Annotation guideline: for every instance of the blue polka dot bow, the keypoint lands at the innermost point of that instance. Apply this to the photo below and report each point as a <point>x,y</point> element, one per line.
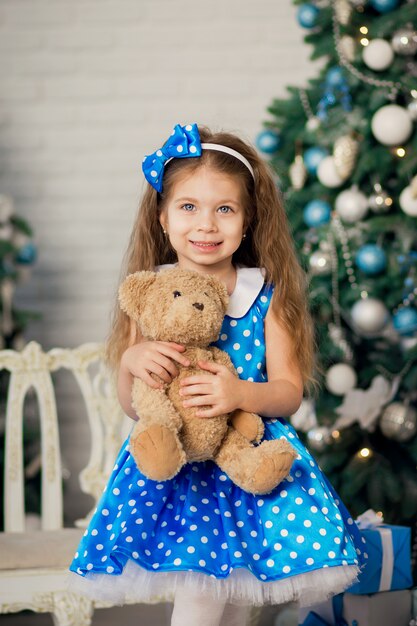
<point>183,142</point>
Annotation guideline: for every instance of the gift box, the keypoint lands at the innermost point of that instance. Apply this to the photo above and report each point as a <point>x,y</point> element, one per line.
<point>414,603</point>
<point>388,566</point>
<point>391,608</point>
<point>329,613</point>
<point>387,608</point>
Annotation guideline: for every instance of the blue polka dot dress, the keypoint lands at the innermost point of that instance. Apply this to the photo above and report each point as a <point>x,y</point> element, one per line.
<point>200,531</point>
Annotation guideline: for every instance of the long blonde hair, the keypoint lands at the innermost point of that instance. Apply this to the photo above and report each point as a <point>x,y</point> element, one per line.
<point>268,244</point>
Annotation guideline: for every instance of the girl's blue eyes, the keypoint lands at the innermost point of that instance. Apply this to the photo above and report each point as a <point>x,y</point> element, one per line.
<point>222,209</point>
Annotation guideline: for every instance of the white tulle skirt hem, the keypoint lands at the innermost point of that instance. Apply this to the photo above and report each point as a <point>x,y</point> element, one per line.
<point>136,584</point>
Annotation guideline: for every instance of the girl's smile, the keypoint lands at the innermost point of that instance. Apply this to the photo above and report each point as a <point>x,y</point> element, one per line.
<point>204,219</point>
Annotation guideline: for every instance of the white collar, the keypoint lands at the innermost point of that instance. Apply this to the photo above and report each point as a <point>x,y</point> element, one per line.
<point>249,282</point>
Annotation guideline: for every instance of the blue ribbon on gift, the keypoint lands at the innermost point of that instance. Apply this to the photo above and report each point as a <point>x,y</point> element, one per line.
<point>313,619</point>
<point>183,142</point>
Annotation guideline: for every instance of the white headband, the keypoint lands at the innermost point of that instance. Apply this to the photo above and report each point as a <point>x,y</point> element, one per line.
<point>227,150</point>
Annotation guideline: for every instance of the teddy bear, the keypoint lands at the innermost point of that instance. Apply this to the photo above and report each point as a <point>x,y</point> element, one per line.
<point>188,307</point>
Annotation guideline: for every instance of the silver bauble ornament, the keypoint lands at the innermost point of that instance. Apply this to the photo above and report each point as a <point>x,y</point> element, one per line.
<point>345,151</point>
<point>298,172</point>
<point>370,315</point>
<point>379,201</point>
<point>351,205</point>
<point>398,422</point>
<point>320,263</point>
<point>391,125</point>
<point>340,378</point>
<point>318,438</point>
<point>404,41</point>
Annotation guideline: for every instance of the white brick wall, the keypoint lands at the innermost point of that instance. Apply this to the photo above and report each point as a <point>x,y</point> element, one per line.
<point>87,87</point>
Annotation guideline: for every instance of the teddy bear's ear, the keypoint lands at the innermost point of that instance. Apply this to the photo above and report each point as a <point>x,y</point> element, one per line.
<point>132,292</point>
<point>220,289</point>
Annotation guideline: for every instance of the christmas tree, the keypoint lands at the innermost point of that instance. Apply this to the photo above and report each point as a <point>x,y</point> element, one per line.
<point>344,149</point>
<point>17,255</point>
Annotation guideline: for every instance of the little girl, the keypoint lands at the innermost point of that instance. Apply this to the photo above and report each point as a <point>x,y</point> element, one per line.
<point>212,206</point>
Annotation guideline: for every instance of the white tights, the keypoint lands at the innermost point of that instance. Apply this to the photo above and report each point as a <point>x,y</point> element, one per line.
<point>192,610</point>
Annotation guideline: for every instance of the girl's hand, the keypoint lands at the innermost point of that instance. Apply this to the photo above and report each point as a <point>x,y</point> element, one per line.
<point>154,357</point>
<point>219,389</point>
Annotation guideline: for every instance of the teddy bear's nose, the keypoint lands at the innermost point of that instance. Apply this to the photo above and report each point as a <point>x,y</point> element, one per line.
<point>198,305</point>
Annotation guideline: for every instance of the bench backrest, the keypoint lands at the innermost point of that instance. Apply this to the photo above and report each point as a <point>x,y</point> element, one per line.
<point>32,368</point>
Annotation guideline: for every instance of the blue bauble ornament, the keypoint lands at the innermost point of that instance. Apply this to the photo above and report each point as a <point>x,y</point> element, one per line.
<point>405,320</point>
<point>371,259</point>
<point>26,255</point>
<point>307,15</point>
<point>312,158</point>
<point>268,141</point>
<point>335,77</point>
<point>316,213</point>
<point>384,6</point>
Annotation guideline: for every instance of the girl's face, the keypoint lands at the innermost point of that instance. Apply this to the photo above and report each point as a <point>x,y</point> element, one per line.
<point>204,219</point>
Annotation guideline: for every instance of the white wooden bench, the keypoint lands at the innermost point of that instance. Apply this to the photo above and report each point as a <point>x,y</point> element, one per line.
<point>34,564</point>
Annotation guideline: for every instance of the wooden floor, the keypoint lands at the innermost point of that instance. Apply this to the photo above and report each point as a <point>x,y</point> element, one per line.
<point>137,615</point>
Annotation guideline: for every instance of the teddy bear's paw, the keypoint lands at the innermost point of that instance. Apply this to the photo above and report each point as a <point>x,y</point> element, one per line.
<point>158,452</point>
<point>247,424</point>
<point>276,459</point>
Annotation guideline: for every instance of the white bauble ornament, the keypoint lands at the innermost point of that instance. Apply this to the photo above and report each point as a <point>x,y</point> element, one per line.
<point>351,204</point>
<point>408,198</point>
<point>340,378</point>
<point>391,125</point>
<point>412,109</point>
<point>398,422</point>
<point>328,174</point>
<point>369,315</point>
<point>378,55</point>
<point>305,416</point>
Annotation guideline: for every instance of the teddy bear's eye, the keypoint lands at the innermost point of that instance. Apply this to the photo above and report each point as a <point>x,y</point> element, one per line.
<point>177,294</point>
<point>206,294</point>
